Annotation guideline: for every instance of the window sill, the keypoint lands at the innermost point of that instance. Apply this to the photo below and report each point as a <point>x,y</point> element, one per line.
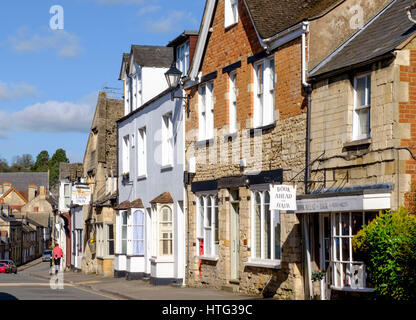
<point>168,167</point>
<point>203,143</point>
<point>135,255</point>
<point>230,26</point>
<point>167,259</point>
<point>263,128</point>
<point>208,258</point>
<point>357,143</point>
<point>352,290</point>
<point>270,264</point>
<point>106,258</point>
<point>142,177</point>
<point>230,136</point>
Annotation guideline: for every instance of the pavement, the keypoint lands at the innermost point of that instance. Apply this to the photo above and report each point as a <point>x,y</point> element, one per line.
<point>120,288</point>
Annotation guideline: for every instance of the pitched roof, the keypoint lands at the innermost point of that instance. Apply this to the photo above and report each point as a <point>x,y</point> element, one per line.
<point>152,56</point>
<point>20,180</point>
<point>72,171</point>
<point>4,195</point>
<point>380,36</point>
<point>124,61</point>
<point>128,205</point>
<point>165,197</point>
<point>182,37</point>
<point>271,16</point>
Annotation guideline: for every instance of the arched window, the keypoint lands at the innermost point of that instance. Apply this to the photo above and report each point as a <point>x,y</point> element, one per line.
<point>165,231</point>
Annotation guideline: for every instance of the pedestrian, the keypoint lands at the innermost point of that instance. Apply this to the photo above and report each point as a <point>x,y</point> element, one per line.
<point>57,255</point>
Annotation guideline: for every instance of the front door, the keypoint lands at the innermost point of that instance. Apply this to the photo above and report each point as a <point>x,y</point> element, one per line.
<point>234,235</point>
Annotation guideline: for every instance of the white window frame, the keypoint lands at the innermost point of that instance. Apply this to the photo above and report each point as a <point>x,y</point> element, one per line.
<point>134,226</point>
<point>336,257</point>
<point>274,221</point>
<point>232,105</point>
<point>182,58</point>
<point>67,195</point>
<point>206,111</point>
<point>122,225</point>
<point>141,152</point>
<point>127,96</point>
<point>359,108</point>
<point>230,13</point>
<point>161,230</point>
<point>264,92</point>
<point>206,231</point>
<point>167,140</point>
<point>126,154</point>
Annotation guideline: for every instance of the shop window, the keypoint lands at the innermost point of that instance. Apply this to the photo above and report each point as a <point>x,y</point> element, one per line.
<point>207,224</point>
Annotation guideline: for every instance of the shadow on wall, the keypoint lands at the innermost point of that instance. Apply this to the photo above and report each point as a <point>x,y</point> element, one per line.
<point>280,282</point>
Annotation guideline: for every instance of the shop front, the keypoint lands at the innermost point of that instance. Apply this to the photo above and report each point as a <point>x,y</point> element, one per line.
<point>330,220</point>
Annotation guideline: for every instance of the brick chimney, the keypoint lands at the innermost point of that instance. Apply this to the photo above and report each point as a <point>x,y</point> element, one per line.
<point>31,191</point>
<point>6,186</point>
<point>42,192</point>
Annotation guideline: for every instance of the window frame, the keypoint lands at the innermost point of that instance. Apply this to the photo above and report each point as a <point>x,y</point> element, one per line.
<point>232,103</point>
<point>182,61</point>
<point>142,152</point>
<point>206,111</point>
<point>125,154</point>
<point>264,91</point>
<point>167,139</point>
<point>358,109</point>
<point>208,232</point>
<point>275,222</point>
<point>135,225</point>
<point>162,231</point>
<point>230,13</point>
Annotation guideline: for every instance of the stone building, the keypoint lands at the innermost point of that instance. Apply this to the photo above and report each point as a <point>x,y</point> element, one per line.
<point>99,172</point>
<point>245,129</point>
<point>362,144</point>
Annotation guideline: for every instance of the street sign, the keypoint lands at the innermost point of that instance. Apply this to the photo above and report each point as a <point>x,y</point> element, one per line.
<point>283,197</point>
<point>81,194</point>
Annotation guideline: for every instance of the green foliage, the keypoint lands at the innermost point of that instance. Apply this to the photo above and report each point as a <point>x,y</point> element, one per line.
<point>42,162</point>
<point>58,157</point>
<point>388,247</point>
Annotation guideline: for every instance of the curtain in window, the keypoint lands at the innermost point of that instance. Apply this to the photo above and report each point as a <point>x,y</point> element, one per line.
<point>257,225</point>
<point>138,232</point>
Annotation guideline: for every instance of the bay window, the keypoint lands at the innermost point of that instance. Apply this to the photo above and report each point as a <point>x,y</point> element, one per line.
<point>362,104</point>
<point>265,227</point>
<point>206,111</point>
<point>123,227</point>
<point>264,87</point>
<point>346,271</point>
<point>207,225</point>
<point>138,232</point>
<point>165,231</point>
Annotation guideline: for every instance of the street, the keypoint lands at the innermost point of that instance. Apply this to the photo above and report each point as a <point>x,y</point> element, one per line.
<point>24,286</point>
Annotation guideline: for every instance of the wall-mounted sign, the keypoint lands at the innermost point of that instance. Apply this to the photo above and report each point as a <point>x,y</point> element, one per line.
<point>283,197</point>
<point>81,194</point>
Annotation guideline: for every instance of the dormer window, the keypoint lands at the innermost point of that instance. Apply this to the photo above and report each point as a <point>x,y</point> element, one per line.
<point>231,13</point>
<point>182,58</point>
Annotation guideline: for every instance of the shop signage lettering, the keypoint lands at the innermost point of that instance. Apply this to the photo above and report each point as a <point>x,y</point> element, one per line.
<point>282,197</point>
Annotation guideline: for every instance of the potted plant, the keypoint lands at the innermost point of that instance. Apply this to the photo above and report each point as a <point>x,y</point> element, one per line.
<point>92,243</point>
<point>318,275</point>
<point>125,176</point>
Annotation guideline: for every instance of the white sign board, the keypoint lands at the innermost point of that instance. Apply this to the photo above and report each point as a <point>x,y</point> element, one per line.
<point>81,195</point>
<point>283,197</point>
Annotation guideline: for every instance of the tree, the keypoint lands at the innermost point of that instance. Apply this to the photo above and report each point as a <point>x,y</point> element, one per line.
<point>4,166</point>
<point>58,157</point>
<point>388,247</point>
<point>22,163</point>
<point>42,162</point>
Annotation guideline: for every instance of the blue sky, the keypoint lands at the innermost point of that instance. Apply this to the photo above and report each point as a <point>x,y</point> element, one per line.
<point>49,79</point>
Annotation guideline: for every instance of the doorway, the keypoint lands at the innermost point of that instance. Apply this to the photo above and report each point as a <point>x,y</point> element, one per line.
<point>234,235</point>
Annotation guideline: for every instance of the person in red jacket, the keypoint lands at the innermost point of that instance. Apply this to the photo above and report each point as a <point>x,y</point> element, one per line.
<point>57,255</point>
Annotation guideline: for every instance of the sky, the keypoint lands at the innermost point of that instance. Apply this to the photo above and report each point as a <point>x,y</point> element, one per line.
<point>49,79</point>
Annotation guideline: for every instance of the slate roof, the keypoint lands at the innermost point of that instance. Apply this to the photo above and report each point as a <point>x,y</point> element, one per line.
<point>182,37</point>
<point>152,56</point>
<point>128,205</point>
<point>273,16</point>
<point>378,38</point>
<point>125,60</point>
<point>20,180</point>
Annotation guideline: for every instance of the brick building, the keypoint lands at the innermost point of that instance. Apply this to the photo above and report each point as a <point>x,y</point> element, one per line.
<point>362,145</point>
<point>245,128</point>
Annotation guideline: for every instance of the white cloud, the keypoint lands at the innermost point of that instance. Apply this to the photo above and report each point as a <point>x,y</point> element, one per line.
<point>171,22</point>
<point>51,116</point>
<point>65,44</point>
<point>148,9</point>
<point>16,90</point>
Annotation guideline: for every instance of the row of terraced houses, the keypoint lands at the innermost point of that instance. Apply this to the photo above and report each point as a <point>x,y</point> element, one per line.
<point>317,95</point>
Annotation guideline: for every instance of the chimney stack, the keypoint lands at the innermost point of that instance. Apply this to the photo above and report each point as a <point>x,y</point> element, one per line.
<point>42,192</point>
<point>31,191</point>
<point>6,186</point>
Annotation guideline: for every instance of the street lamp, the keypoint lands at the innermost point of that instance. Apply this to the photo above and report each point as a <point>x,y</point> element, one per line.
<point>173,78</point>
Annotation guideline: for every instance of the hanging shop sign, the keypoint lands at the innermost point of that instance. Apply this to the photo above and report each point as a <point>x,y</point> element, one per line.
<point>283,197</point>
<point>81,194</point>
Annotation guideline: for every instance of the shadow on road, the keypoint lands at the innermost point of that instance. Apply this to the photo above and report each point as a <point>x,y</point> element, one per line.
<point>6,296</point>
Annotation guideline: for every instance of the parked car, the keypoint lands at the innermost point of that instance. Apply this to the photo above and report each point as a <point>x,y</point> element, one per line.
<point>3,267</point>
<point>10,266</point>
<point>47,255</point>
